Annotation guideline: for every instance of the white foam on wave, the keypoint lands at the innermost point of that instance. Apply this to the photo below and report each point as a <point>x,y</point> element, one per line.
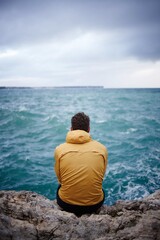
<point>119,167</point>
<point>46,119</point>
<point>101,121</point>
<point>135,192</point>
<point>130,130</point>
<point>22,109</point>
<point>49,117</point>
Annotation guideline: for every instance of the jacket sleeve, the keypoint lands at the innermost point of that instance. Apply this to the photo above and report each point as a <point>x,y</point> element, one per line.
<point>105,159</point>
<point>57,165</point>
<point>105,156</point>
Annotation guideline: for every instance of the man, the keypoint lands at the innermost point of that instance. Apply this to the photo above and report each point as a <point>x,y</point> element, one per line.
<point>80,165</point>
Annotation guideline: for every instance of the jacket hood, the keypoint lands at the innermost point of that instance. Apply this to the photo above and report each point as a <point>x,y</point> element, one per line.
<point>78,136</point>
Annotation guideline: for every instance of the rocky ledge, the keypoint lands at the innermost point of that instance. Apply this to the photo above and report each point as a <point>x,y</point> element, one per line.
<point>27,215</point>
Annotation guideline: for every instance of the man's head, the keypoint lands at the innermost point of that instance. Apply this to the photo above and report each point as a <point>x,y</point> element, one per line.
<point>80,121</point>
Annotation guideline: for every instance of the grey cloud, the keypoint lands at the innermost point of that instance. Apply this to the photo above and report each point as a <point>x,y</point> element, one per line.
<point>137,23</point>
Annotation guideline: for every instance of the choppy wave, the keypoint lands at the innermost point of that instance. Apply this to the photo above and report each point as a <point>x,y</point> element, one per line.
<point>34,121</point>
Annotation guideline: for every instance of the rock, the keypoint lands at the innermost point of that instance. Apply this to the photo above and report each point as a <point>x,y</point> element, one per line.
<point>27,215</point>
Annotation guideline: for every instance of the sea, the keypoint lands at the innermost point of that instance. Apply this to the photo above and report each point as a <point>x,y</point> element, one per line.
<point>33,121</point>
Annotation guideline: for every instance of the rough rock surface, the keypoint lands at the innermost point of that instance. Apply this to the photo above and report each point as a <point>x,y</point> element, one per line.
<point>27,215</point>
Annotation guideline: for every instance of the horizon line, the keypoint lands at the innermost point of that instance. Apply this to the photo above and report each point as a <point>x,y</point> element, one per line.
<point>89,86</point>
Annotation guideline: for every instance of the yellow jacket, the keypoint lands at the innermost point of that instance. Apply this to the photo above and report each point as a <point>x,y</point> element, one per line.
<point>80,165</point>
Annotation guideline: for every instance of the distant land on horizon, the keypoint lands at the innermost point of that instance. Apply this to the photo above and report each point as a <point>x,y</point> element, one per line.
<point>2,87</point>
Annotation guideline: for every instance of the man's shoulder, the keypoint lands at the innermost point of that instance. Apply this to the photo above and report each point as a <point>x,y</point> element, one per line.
<point>99,145</point>
<point>100,148</point>
<point>61,146</point>
<point>60,150</point>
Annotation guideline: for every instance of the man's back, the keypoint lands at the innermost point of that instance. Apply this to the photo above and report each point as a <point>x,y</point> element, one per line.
<point>80,168</point>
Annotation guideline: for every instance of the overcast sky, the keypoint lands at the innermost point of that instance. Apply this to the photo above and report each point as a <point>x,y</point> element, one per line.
<point>80,42</point>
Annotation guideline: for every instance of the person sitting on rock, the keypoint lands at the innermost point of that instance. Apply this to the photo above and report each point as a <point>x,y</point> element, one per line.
<point>80,165</point>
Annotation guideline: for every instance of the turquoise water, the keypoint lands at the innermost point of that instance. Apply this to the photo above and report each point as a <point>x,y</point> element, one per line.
<point>34,121</point>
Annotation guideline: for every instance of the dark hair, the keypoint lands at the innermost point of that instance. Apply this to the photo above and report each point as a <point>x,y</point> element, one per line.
<point>80,121</point>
